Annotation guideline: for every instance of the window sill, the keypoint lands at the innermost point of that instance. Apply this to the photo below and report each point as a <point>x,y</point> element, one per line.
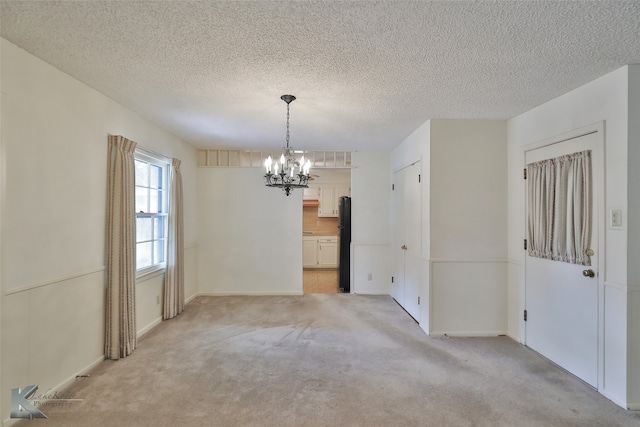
<point>150,273</point>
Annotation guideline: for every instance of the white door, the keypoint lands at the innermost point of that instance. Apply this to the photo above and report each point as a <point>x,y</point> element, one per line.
<point>397,238</point>
<point>407,239</point>
<point>561,302</point>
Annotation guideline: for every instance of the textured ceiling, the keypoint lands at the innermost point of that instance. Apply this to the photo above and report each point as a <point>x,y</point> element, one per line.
<point>366,73</point>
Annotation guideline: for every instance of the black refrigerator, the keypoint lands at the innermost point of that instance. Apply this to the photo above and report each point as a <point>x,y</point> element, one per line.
<point>344,237</point>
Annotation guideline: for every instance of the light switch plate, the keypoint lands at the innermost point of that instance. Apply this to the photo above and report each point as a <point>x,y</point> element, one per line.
<point>615,218</point>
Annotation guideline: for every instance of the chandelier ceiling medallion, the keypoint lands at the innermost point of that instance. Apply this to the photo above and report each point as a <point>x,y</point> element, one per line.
<point>283,174</point>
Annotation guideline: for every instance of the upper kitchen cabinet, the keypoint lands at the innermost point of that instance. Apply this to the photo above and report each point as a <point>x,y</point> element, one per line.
<point>328,196</point>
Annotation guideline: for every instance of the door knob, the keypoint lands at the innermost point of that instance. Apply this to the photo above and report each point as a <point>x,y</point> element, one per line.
<point>588,273</point>
<point>404,247</point>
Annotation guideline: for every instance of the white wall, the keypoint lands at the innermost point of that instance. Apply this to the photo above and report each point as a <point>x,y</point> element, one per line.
<point>468,214</point>
<point>464,207</point>
<point>330,176</point>
<point>53,198</point>
<point>604,99</point>
<point>633,254</point>
<point>370,208</point>
<point>250,235</point>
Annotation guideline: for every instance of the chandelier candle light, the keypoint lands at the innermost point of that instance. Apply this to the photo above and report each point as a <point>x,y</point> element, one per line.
<point>284,175</point>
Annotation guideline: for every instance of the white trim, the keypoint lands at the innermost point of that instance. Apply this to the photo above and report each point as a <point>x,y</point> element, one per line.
<point>262,167</point>
<point>72,378</point>
<point>407,165</point>
<point>515,261</point>
<point>598,206</point>
<point>153,272</point>
<point>157,160</point>
<point>566,136</point>
<point>149,327</point>
<point>53,281</point>
<point>617,400</point>
<point>615,285</point>
<point>247,293</point>
<point>464,334</point>
<point>467,261</point>
<point>3,192</point>
<point>191,298</point>
<point>62,385</point>
<point>151,155</point>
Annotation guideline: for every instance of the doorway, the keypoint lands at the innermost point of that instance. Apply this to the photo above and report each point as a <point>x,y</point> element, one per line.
<point>407,238</point>
<point>320,232</point>
<point>562,298</point>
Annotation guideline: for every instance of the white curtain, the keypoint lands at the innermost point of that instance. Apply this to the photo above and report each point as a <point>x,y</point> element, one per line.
<point>559,208</point>
<point>174,277</point>
<point>120,322</point>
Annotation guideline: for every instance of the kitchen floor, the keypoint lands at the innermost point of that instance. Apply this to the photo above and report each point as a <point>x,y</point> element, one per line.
<point>316,281</point>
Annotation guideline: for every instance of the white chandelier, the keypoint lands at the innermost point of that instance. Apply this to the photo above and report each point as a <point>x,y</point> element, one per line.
<point>283,175</point>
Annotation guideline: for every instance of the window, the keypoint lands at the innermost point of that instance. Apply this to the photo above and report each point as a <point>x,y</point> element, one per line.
<point>151,212</point>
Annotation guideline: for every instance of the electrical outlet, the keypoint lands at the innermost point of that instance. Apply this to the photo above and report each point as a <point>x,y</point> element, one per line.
<point>369,277</point>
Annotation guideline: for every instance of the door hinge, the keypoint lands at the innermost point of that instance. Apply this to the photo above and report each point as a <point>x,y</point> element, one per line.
<point>419,178</point>
<point>525,244</point>
<point>393,187</point>
<point>418,300</point>
<point>525,173</point>
<point>391,279</point>
<point>525,315</point>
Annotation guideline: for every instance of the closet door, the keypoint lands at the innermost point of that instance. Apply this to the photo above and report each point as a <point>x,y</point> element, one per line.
<point>407,239</point>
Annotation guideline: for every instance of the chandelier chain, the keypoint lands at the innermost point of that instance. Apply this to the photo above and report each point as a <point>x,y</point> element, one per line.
<point>288,124</point>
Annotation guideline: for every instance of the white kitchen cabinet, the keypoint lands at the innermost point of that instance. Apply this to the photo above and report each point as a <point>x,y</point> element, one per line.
<point>328,253</point>
<point>327,201</point>
<point>328,195</point>
<point>309,251</point>
<point>320,252</point>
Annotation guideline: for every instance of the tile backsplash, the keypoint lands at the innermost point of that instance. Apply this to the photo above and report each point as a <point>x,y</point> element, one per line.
<point>318,225</point>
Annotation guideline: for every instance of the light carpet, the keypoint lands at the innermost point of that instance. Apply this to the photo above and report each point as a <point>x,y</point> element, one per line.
<point>325,360</point>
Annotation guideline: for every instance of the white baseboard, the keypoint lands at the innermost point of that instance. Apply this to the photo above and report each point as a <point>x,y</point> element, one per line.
<point>619,401</point>
<point>463,334</point>
<point>191,298</point>
<point>61,386</point>
<point>68,381</point>
<point>247,293</point>
<point>10,421</point>
<point>385,294</point>
<point>149,327</point>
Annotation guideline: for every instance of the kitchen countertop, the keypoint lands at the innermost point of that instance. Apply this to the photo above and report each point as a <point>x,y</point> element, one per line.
<point>320,233</point>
